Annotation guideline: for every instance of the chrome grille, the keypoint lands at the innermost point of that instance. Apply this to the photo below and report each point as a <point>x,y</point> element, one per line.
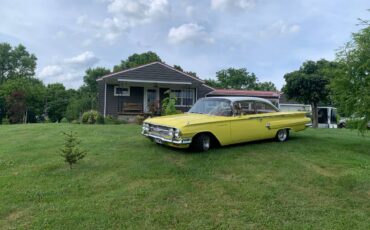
<point>159,130</point>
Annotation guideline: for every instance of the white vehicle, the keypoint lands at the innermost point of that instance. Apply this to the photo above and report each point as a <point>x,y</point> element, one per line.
<point>343,122</point>
<point>327,117</point>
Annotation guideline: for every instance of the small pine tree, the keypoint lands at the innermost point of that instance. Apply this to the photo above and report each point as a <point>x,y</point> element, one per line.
<point>71,151</point>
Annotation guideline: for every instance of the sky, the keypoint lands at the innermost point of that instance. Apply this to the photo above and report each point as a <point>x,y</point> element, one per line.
<point>267,37</point>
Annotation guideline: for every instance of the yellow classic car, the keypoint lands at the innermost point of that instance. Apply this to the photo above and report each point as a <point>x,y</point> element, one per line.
<point>224,121</point>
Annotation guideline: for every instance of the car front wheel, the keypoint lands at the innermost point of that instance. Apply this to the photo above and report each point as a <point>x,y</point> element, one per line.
<point>201,142</point>
<point>282,135</point>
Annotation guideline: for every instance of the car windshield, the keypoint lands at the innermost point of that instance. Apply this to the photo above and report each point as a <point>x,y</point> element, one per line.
<point>212,106</point>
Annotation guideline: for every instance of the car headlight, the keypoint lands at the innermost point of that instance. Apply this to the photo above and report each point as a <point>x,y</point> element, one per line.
<point>171,132</point>
<point>177,133</point>
<point>146,127</point>
<point>174,133</point>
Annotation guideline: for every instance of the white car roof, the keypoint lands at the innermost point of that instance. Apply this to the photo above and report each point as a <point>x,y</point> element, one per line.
<point>234,99</point>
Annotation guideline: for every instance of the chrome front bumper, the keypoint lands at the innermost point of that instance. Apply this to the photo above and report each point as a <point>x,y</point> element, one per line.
<point>160,139</point>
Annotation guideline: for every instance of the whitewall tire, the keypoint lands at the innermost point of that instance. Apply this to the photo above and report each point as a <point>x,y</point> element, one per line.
<point>282,135</point>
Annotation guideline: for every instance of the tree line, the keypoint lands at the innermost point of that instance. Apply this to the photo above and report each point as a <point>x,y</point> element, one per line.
<point>344,83</point>
<point>26,99</point>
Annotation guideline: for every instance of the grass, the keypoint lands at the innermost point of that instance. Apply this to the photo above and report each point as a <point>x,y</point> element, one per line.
<point>319,179</point>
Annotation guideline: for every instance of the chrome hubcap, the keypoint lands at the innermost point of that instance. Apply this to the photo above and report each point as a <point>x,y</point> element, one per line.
<point>282,135</point>
<point>206,143</point>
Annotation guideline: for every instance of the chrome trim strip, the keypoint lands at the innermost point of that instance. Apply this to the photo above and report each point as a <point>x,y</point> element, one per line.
<point>167,140</point>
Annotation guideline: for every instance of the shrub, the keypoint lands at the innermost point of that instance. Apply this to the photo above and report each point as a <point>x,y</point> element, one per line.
<point>91,117</point>
<point>5,121</point>
<point>168,105</point>
<point>47,120</point>
<point>64,120</point>
<point>356,123</point>
<point>100,120</point>
<point>110,120</point>
<point>140,119</point>
<point>71,151</point>
<point>16,110</point>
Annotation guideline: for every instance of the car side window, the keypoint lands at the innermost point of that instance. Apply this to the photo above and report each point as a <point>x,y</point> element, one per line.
<point>262,107</point>
<point>246,107</point>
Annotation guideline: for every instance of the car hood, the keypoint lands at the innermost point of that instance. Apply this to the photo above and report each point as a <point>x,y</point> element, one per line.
<point>181,120</point>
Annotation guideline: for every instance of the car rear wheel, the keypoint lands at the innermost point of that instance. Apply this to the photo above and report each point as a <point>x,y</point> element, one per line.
<point>201,142</point>
<point>282,135</point>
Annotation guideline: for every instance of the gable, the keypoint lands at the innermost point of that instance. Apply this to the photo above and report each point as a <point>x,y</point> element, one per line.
<point>157,72</point>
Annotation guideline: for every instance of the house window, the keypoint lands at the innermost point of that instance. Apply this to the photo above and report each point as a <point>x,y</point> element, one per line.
<point>121,91</point>
<point>184,97</point>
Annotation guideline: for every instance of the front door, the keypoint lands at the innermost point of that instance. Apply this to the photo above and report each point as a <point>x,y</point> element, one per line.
<point>250,124</point>
<point>246,128</point>
<point>151,100</point>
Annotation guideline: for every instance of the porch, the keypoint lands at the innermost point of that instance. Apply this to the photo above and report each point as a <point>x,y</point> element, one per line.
<point>129,99</point>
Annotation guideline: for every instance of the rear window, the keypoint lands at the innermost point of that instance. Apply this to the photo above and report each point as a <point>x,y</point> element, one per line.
<point>262,107</point>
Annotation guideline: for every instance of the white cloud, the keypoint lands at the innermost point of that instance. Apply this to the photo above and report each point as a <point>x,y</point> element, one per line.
<point>69,71</point>
<point>279,28</point>
<point>224,5</point>
<point>84,59</point>
<point>190,32</point>
<point>126,14</point>
<point>50,70</point>
<point>139,10</point>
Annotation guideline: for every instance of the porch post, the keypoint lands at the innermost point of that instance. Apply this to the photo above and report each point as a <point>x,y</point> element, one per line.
<point>105,99</point>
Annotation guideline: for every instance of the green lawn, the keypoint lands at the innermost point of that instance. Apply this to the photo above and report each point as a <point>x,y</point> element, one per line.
<point>319,179</point>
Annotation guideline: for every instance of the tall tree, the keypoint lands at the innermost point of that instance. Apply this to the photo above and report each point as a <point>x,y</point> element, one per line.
<point>351,86</point>
<point>90,84</point>
<point>213,83</point>
<point>34,93</point>
<point>56,101</point>
<point>308,85</point>
<point>236,79</point>
<point>232,78</point>
<point>17,110</point>
<point>136,60</point>
<point>266,86</point>
<point>77,106</point>
<point>16,62</point>
<point>178,67</point>
<point>91,75</point>
<point>191,73</point>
